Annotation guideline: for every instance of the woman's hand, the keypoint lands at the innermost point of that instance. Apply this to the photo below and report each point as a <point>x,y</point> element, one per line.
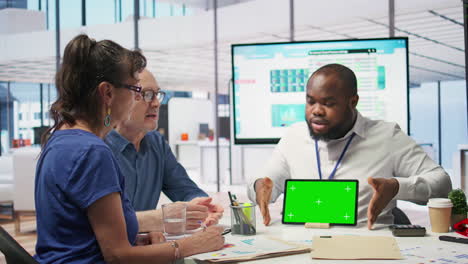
<point>202,241</point>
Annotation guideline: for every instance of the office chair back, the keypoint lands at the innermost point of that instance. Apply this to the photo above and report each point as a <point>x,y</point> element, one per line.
<point>14,252</point>
<point>399,217</point>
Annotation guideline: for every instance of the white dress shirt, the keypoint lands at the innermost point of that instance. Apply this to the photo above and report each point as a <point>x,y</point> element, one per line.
<point>379,149</point>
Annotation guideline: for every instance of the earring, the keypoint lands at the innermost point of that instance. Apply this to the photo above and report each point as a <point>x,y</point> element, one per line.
<point>107,118</point>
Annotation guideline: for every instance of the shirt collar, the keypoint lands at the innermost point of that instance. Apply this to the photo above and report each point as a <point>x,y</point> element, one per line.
<point>117,141</point>
<point>359,126</point>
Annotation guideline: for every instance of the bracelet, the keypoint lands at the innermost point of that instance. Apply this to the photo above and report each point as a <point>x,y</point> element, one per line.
<point>175,245</point>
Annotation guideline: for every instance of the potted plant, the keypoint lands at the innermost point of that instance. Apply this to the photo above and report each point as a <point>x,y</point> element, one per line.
<point>460,208</point>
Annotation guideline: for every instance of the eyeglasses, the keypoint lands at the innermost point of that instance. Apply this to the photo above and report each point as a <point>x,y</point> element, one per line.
<point>132,87</point>
<point>149,95</point>
<point>135,89</point>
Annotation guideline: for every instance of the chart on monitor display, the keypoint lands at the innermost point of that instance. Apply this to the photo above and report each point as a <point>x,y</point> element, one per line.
<point>270,82</point>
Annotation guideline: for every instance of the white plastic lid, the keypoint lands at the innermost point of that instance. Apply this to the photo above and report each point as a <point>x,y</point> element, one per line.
<point>439,203</point>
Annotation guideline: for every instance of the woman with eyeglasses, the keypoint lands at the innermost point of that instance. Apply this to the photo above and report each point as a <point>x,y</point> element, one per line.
<point>150,167</point>
<point>83,213</point>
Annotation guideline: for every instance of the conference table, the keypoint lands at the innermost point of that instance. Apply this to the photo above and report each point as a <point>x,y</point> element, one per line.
<point>418,250</point>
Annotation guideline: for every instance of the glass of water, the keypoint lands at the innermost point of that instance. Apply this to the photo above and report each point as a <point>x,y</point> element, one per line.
<point>174,218</point>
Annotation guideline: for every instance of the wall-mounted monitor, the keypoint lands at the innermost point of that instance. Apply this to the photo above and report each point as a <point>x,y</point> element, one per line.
<point>269,82</point>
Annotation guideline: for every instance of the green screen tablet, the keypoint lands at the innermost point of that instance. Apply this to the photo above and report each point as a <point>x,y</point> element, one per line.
<point>320,201</point>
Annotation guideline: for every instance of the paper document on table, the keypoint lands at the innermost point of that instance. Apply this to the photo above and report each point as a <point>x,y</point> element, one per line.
<point>355,247</point>
<point>242,248</point>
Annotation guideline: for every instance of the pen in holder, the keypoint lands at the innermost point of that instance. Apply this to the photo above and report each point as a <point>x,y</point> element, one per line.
<point>243,219</point>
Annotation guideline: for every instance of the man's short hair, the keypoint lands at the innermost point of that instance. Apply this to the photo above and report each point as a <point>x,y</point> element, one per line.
<point>345,74</point>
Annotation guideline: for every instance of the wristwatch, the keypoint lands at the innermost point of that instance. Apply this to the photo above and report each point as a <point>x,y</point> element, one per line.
<point>175,245</point>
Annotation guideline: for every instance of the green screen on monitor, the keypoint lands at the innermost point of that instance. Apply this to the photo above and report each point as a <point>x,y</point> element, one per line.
<point>320,201</point>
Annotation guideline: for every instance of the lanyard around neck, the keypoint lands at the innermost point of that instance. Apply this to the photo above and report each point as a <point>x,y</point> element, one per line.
<point>339,159</point>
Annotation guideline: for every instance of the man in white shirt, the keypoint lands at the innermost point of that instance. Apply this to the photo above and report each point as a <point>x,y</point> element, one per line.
<point>389,165</point>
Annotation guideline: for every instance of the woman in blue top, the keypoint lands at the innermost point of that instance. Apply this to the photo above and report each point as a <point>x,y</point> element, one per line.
<point>83,213</point>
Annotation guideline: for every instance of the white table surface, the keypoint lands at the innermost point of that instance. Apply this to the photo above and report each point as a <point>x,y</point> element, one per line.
<point>418,250</point>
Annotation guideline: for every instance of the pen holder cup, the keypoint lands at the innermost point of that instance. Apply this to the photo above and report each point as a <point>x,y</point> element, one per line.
<point>243,219</point>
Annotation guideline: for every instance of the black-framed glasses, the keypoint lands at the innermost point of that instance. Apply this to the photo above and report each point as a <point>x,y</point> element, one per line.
<point>133,87</point>
<point>149,95</point>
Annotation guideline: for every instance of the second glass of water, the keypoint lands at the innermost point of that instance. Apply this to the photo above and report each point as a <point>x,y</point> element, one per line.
<point>174,219</point>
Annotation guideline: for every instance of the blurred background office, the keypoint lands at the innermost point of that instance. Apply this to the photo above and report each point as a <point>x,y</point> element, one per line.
<point>188,46</point>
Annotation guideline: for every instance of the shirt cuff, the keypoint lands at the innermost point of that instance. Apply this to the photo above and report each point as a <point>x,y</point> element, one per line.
<point>406,189</point>
<point>196,195</point>
<point>251,193</point>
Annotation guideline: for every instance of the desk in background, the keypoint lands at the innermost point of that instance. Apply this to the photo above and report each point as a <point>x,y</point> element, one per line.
<point>181,157</point>
<point>460,168</point>
<point>206,162</point>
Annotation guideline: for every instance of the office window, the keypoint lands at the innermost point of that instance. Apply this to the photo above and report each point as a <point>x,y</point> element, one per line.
<point>102,12</point>
<point>453,119</point>
<point>127,9</point>
<point>148,8</point>
<point>170,94</point>
<point>33,4</point>
<point>424,116</point>
<point>151,8</point>
<point>70,13</point>
<point>23,110</point>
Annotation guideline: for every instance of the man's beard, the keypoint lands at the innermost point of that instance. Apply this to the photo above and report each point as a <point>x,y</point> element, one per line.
<point>332,133</point>
<point>335,132</point>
